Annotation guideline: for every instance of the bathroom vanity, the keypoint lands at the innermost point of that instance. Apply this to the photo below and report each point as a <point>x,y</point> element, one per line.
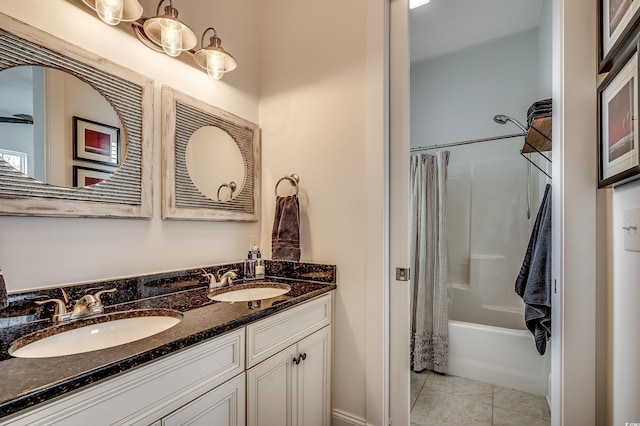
<point>224,364</point>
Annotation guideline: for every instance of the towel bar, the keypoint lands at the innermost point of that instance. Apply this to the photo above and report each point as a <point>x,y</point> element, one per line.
<point>293,179</point>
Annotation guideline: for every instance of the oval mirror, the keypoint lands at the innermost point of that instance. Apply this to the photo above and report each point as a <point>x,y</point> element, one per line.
<point>215,163</point>
<point>56,128</point>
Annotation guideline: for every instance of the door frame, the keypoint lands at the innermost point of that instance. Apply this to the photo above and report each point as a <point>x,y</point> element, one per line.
<point>572,387</point>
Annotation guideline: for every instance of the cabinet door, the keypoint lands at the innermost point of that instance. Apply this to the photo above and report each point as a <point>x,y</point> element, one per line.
<point>222,406</point>
<point>270,396</point>
<point>313,375</point>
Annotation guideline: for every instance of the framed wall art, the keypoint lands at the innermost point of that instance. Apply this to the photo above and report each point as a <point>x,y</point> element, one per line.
<point>97,142</point>
<point>618,25</point>
<point>85,176</point>
<point>618,123</point>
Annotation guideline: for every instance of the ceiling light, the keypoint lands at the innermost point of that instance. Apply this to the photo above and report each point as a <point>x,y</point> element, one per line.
<point>417,3</point>
<point>113,12</point>
<point>169,32</point>
<point>214,58</point>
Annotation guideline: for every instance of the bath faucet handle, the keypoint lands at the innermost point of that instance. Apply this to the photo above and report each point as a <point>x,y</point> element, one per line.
<point>101,292</point>
<point>227,277</point>
<point>90,304</point>
<point>60,311</point>
<point>211,277</point>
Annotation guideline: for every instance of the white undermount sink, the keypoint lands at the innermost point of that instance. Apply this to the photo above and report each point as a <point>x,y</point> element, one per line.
<point>100,333</point>
<point>249,292</point>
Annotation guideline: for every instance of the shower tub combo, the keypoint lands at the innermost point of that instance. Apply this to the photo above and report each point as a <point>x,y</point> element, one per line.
<point>493,200</point>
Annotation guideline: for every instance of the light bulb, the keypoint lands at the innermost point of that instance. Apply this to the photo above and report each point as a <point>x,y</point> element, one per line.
<point>215,64</point>
<point>171,37</point>
<point>110,11</point>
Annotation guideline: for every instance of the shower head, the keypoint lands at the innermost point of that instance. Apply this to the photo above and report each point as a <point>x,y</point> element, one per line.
<point>503,119</point>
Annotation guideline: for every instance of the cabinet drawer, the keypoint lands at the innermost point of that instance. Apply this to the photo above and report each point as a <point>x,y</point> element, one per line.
<point>270,335</point>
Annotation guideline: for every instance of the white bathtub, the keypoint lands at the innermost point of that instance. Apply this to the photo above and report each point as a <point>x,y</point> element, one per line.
<point>496,355</point>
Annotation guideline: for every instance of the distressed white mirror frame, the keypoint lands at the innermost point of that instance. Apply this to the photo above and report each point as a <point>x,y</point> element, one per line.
<point>182,115</point>
<point>128,192</point>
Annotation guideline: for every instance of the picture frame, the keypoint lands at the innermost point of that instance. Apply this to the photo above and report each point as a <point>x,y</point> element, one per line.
<point>618,24</point>
<point>618,132</point>
<point>96,142</point>
<point>86,176</point>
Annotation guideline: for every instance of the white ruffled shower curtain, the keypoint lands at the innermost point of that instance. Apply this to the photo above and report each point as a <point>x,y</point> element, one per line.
<point>429,264</point>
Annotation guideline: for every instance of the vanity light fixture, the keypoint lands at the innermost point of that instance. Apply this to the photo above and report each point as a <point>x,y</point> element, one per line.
<point>113,12</point>
<point>169,32</point>
<point>214,58</point>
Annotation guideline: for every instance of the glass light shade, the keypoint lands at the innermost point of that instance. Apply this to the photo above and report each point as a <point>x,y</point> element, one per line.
<point>168,33</point>
<point>215,64</point>
<point>109,11</point>
<point>171,35</point>
<point>214,58</point>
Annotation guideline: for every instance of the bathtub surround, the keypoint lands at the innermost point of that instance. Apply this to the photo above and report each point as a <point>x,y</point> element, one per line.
<point>429,307</point>
<point>285,238</point>
<point>534,281</point>
<point>26,383</point>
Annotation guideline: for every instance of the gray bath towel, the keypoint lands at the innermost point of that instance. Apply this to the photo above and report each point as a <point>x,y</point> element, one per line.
<point>285,237</point>
<point>534,280</point>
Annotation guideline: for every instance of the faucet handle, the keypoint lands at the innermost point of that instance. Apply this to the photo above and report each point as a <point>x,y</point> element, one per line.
<point>101,292</point>
<point>60,312</point>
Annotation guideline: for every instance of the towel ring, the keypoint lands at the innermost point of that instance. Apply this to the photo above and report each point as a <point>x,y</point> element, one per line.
<point>232,187</point>
<point>293,179</point>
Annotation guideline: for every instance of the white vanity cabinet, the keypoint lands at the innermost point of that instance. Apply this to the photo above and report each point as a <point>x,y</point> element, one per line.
<point>176,385</point>
<point>289,355</point>
<point>275,371</point>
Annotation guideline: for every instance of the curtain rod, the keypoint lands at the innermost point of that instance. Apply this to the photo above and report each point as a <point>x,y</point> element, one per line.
<point>467,142</point>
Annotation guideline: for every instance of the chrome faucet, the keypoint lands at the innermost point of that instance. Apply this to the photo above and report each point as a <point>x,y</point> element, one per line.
<point>86,306</point>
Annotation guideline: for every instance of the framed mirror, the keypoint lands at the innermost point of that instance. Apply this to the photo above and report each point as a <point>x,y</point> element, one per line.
<point>75,140</point>
<point>210,161</point>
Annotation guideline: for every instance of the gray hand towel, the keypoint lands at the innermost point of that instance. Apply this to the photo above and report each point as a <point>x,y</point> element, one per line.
<point>4,302</point>
<point>534,280</point>
<point>285,237</point>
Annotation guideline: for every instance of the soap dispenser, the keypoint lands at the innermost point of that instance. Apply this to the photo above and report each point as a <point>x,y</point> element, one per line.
<point>260,268</point>
<point>251,260</point>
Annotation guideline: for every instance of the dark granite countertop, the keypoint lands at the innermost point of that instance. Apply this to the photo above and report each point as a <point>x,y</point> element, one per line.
<point>27,382</point>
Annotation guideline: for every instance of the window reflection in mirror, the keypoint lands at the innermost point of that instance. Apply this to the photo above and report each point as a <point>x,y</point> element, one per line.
<point>37,106</point>
<point>215,163</point>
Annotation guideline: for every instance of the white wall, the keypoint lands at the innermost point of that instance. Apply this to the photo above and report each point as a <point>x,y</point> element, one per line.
<point>575,253</point>
<point>545,44</point>
<point>625,314</point>
<point>310,63</point>
<point>454,97</point>
<point>38,252</point>
<point>313,97</point>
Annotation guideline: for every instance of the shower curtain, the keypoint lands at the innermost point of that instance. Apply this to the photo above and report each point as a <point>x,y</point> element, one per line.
<point>429,311</point>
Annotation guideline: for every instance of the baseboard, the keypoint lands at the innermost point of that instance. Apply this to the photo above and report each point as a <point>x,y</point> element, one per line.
<point>340,418</point>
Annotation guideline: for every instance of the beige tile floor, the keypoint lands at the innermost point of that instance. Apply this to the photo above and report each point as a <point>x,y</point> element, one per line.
<point>440,400</point>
